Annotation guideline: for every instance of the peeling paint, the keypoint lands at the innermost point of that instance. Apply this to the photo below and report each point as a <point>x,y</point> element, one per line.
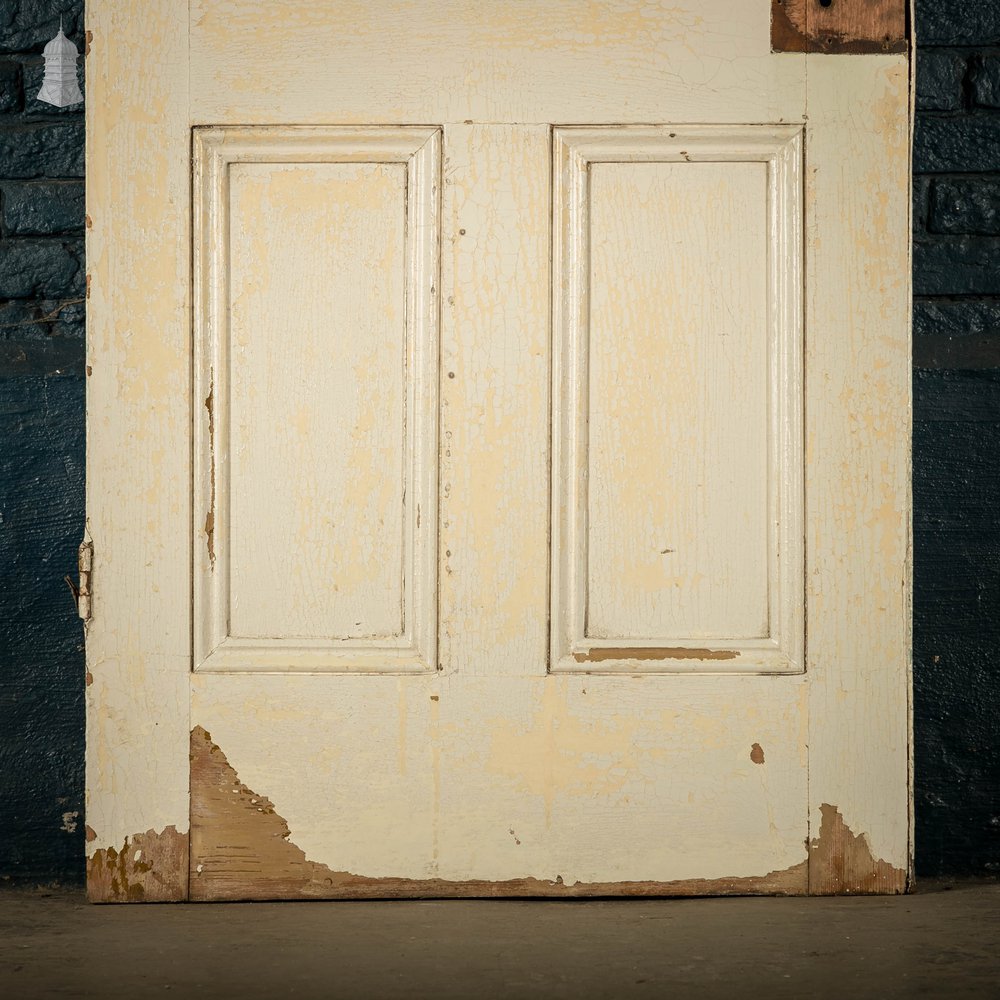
<point>210,516</point>
<point>654,653</point>
<point>846,27</point>
<point>149,867</point>
<point>841,862</point>
<point>241,848</point>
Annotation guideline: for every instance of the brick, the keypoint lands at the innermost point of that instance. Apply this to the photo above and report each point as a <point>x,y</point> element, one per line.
<point>37,268</point>
<point>34,73</point>
<point>11,94</point>
<point>962,317</point>
<point>963,397</point>
<point>921,203</point>
<point>939,80</point>
<point>963,144</point>
<point>26,25</point>
<point>957,265</point>
<point>957,22</point>
<point>42,149</point>
<point>42,319</point>
<point>42,208</point>
<point>984,80</point>
<point>956,334</point>
<point>52,358</point>
<point>969,205</point>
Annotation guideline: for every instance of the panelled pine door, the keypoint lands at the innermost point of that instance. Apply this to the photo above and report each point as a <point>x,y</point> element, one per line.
<point>498,448</point>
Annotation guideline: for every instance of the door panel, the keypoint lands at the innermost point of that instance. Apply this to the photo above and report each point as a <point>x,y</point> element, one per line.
<point>677,507</point>
<point>316,348</point>
<point>544,371</point>
<point>423,784</point>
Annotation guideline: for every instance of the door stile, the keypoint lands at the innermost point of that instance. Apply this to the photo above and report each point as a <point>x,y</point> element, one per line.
<point>858,472</point>
<point>138,454</point>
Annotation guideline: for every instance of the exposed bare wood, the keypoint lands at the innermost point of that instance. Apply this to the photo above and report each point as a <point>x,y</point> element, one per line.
<point>858,476</point>
<point>841,862</point>
<point>149,867</point>
<point>838,26</point>
<point>602,654</point>
<point>241,849</point>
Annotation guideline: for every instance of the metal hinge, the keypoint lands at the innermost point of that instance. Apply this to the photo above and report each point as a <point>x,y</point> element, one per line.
<point>81,590</point>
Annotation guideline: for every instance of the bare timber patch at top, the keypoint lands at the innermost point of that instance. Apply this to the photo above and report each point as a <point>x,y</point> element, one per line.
<point>838,26</point>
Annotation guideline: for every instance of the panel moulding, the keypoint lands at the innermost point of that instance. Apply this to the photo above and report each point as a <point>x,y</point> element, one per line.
<point>215,150</point>
<point>781,647</point>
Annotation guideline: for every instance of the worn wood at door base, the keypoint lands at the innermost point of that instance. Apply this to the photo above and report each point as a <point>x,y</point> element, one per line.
<point>844,27</point>
<point>241,848</point>
<point>149,867</point>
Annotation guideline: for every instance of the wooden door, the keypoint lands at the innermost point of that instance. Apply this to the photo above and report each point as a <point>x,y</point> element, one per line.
<point>498,448</point>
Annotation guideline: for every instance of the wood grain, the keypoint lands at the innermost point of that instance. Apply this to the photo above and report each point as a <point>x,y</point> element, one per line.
<point>677,460</point>
<point>677,515</point>
<point>138,420</point>
<point>842,27</point>
<point>147,867</point>
<point>241,848</point>
<point>316,274</point>
<point>858,472</point>
<point>492,776</point>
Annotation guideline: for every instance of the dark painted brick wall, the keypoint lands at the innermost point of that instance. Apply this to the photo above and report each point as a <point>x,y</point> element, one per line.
<point>956,445</point>
<point>41,453</point>
<point>956,437</point>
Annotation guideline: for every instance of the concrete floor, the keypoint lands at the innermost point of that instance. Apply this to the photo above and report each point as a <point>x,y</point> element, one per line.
<point>942,942</point>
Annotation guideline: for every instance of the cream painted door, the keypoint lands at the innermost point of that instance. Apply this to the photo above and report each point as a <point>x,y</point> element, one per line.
<point>498,448</point>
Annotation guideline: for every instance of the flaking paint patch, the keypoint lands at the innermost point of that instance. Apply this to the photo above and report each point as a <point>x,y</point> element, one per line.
<point>841,862</point>
<point>241,848</point>
<point>210,516</point>
<point>847,27</point>
<point>149,867</point>
<point>655,653</point>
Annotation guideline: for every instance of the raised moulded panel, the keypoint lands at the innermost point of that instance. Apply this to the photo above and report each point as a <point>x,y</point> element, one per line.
<point>677,496</point>
<point>316,354</point>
